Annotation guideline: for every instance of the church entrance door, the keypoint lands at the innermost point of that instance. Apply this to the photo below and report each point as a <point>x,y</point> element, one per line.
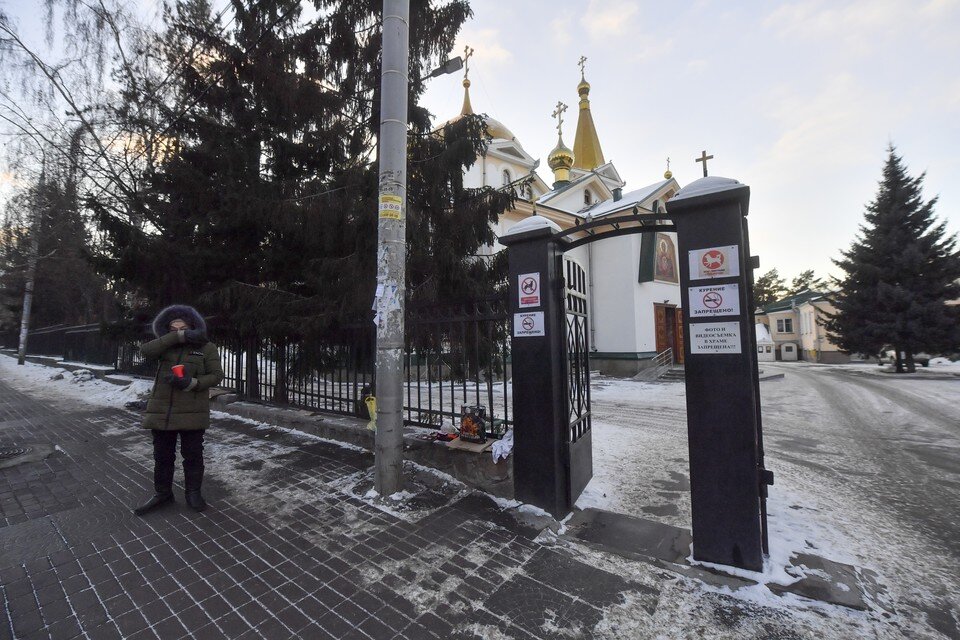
<point>668,321</point>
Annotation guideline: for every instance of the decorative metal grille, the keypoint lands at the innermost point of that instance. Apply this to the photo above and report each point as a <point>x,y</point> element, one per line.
<point>578,350</point>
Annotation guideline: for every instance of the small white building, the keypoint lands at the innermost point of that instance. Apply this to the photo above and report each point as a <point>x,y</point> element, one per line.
<point>766,347</point>
<point>633,287</point>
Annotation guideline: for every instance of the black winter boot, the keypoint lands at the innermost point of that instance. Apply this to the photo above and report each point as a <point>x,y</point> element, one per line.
<point>195,500</point>
<point>158,500</point>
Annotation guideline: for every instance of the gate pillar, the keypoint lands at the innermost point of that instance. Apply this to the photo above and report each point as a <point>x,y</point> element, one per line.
<point>723,421</point>
<point>541,473</point>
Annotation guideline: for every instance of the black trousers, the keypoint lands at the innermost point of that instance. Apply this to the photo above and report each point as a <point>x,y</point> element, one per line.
<point>165,454</point>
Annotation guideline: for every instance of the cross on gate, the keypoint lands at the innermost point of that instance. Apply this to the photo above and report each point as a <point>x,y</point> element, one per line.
<point>703,158</point>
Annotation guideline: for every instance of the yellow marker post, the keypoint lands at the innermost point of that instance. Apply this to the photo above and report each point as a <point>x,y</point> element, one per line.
<point>371,403</point>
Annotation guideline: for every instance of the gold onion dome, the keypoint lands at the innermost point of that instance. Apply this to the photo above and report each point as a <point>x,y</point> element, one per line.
<point>667,174</point>
<point>561,157</point>
<point>495,128</point>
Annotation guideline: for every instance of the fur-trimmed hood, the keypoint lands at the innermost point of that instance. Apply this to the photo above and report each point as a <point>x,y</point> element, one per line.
<point>188,314</point>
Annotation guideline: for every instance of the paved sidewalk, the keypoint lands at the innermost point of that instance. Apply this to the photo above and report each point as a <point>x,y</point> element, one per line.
<point>288,548</point>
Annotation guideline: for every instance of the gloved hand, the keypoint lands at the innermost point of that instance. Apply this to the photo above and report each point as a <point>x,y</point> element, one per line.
<point>177,383</point>
<point>194,336</point>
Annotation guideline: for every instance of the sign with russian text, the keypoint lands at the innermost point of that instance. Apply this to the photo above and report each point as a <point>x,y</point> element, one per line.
<point>715,262</point>
<point>391,207</point>
<point>715,337</point>
<point>719,300</point>
<point>529,288</point>
<point>526,325</point>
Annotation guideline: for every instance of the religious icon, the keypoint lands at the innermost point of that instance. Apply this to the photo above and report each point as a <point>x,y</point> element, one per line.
<point>472,423</point>
<point>665,265</point>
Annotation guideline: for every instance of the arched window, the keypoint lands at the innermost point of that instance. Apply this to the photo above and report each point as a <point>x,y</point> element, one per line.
<point>505,177</point>
<point>587,197</point>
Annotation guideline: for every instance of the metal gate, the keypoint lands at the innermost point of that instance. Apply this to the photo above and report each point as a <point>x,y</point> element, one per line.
<point>579,439</point>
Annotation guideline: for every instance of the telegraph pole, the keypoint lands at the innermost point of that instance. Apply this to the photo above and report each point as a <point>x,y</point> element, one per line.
<point>39,203</point>
<point>391,247</point>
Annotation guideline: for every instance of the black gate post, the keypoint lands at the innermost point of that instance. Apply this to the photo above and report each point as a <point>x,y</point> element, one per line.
<point>540,413</point>
<point>721,372</point>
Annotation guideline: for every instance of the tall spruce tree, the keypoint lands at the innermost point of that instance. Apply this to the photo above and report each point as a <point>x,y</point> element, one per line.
<point>270,181</point>
<point>900,272</point>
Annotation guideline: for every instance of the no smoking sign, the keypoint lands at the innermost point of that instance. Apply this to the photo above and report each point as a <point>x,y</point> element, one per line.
<point>719,300</point>
<point>526,325</point>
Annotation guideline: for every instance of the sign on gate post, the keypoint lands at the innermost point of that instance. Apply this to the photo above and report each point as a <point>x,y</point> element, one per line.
<point>540,419</point>
<point>720,369</point>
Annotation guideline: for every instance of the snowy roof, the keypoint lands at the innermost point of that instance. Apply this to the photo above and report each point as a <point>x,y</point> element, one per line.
<point>705,185</point>
<point>763,334</point>
<point>628,200</point>
<point>793,301</point>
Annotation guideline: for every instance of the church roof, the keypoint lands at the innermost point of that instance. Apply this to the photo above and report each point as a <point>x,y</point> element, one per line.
<point>630,198</point>
<point>495,128</point>
<point>586,145</point>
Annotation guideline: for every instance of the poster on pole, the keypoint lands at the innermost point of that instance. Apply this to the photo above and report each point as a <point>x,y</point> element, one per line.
<point>715,337</point>
<point>526,325</point>
<point>529,288</point>
<point>718,300</point>
<point>714,262</point>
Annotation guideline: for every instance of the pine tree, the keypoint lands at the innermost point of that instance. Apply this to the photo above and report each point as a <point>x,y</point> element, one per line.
<point>900,272</point>
<point>271,182</point>
<point>806,281</point>
<point>768,288</point>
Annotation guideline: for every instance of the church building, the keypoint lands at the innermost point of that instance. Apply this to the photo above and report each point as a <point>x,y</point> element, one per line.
<point>632,282</point>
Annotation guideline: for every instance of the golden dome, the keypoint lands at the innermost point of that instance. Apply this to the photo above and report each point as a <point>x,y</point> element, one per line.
<point>495,128</point>
<point>561,157</point>
<point>667,174</point>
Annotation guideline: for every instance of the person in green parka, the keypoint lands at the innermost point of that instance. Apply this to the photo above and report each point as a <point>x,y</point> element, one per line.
<point>179,405</point>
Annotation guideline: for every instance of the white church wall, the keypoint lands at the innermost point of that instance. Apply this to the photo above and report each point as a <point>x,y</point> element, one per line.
<point>614,305</point>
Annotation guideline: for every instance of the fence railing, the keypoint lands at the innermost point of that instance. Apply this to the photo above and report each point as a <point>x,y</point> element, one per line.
<point>455,355</point>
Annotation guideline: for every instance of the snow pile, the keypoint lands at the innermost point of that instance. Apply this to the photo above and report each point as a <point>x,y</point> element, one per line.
<point>57,384</point>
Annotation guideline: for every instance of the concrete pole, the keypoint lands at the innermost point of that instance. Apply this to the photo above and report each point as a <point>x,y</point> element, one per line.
<point>31,275</point>
<point>391,247</point>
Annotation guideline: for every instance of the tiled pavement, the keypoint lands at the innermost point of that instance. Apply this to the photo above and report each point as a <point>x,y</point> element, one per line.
<point>288,548</point>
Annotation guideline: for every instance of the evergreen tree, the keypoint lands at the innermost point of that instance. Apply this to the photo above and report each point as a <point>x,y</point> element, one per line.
<point>768,288</point>
<point>806,281</point>
<point>270,181</point>
<point>900,272</point>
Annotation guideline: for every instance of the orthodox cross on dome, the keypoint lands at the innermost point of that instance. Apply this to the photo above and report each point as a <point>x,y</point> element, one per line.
<point>467,54</point>
<point>582,62</point>
<point>558,114</point>
<point>703,158</point>
<point>668,163</point>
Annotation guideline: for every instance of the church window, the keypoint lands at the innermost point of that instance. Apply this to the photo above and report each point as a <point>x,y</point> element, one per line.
<point>587,197</point>
<point>506,177</point>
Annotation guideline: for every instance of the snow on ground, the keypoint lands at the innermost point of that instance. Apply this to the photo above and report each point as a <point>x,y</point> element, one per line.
<point>56,383</point>
<point>829,498</point>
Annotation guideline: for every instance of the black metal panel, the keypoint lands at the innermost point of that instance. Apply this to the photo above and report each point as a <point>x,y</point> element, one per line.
<point>722,419</point>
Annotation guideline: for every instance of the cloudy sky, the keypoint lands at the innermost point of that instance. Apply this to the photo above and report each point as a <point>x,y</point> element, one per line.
<point>799,100</point>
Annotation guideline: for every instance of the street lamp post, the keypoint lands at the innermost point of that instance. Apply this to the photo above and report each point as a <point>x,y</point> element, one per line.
<point>391,247</point>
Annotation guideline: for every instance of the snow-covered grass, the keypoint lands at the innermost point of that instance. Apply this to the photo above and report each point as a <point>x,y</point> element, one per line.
<point>80,384</point>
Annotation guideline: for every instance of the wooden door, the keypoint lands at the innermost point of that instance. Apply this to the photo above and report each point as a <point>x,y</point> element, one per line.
<point>660,320</point>
<point>678,336</point>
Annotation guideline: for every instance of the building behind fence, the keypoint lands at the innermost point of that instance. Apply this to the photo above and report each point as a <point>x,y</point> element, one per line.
<point>456,355</point>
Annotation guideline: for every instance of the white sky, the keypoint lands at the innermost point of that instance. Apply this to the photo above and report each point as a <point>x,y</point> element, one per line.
<point>796,99</point>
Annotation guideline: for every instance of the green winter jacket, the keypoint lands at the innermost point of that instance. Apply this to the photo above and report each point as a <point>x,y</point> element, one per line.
<point>171,409</point>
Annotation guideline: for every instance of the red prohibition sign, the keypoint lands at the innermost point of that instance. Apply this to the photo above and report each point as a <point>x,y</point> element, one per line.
<point>527,323</point>
<point>712,259</point>
<point>528,286</point>
<point>712,300</point>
